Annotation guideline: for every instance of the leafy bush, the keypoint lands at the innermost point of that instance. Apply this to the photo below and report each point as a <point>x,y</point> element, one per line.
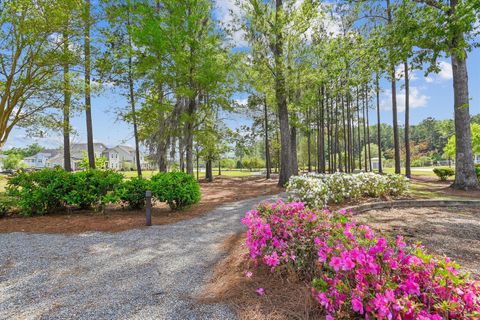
<point>48,190</point>
<point>177,189</point>
<point>132,192</point>
<point>317,190</point>
<point>39,192</point>
<point>353,273</point>
<point>93,188</point>
<point>444,173</point>
<point>6,205</point>
<point>477,170</point>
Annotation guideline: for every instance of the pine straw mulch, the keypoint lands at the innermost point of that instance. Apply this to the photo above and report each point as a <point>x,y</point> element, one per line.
<point>222,190</point>
<point>285,297</point>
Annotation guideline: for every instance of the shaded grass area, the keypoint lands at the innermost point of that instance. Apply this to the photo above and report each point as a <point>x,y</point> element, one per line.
<point>201,174</point>
<point>418,172</point>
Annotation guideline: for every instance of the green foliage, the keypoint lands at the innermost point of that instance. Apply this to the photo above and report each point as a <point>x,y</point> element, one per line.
<point>93,188</point>
<point>99,162</point>
<point>477,170</point>
<point>13,161</point>
<point>444,173</point>
<point>450,148</point>
<point>253,163</point>
<point>177,189</point>
<point>28,151</point>
<point>132,192</point>
<point>39,192</point>
<point>6,205</point>
<point>49,190</point>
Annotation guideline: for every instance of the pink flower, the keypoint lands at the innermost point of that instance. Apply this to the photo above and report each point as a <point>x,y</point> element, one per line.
<point>357,305</point>
<point>248,274</point>
<point>260,291</point>
<point>335,263</point>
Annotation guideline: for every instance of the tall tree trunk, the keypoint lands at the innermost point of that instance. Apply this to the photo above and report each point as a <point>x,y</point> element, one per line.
<point>365,132</point>
<point>294,149</point>
<point>309,143</point>
<point>379,127</point>
<point>88,103</point>
<point>286,163</point>
<point>321,133</point>
<point>132,101</point>
<point>345,144</point>
<point>396,141</point>
<point>358,133</point>
<point>209,171</point>
<point>465,177</point>
<point>407,121</point>
<point>189,135</point>
<point>368,130</point>
<point>67,97</point>
<point>267,147</point>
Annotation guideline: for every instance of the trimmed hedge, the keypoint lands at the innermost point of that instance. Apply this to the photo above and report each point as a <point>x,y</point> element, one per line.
<point>444,173</point>
<point>178,189</point>
<point>132,192</point>
<point>49,190</point>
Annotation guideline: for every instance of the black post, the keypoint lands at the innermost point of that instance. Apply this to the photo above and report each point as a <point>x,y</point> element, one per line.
<point>148,206</point>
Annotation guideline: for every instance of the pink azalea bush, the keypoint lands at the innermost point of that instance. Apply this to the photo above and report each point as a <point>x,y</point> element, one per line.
<point>355,274</point>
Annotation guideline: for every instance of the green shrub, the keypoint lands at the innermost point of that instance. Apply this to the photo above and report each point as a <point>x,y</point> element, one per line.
<point>132,192</point>
<point>177,189</point>
<point>444,173</point>
<point>6,205</point>
<point>93,188</point>
<point>39,192</point>
<point>477,170</point>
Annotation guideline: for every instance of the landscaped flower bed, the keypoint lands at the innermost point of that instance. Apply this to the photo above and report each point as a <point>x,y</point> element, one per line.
<point>352,272</point>
<point>317,190</point>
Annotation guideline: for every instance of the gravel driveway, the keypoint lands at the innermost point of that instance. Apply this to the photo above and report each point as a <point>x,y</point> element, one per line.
<point>151,273</point>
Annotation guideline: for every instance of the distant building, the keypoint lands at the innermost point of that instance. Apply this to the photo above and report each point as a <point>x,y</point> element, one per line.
<point>118,158</point>
<point>124,158</point>
<point>40,159</point>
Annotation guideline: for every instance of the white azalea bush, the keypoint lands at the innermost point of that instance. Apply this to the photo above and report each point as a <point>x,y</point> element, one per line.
<point>317,190</point>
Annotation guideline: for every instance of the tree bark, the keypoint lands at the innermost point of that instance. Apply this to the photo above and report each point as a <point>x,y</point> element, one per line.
<point>88,103</point>
<point>286,163</point>
<point>132,101</point>
<point>267,147</point>
<point>379,127</point>
<point>209,171</point>
<point>465,176</point>
<point>67,96</point>
<point>396,141</point>
<point>407,121</point>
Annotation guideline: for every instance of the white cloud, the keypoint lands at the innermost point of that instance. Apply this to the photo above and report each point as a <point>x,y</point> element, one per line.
<point>445,70</point>
<point>444,73</point>
<point>400,73</point>
<point>227,11</point>
<point>417,99</point>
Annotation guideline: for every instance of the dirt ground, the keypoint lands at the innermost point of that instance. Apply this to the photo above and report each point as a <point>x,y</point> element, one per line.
<point>285,297</point>
<point>426,187</point>
<point>454,232</point>
<point>114,219</point>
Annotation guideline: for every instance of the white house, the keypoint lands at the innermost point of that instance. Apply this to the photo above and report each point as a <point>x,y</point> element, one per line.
<point>118,158</point>
<point>40,159</point>
<point>123,158</point>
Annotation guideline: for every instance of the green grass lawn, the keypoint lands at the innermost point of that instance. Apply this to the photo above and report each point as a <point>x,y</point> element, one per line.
<point>416,171</point>
<point>3,183</point>
<point>225,172</point>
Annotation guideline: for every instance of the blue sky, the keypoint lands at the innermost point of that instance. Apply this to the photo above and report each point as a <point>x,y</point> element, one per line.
<point>430,96</point>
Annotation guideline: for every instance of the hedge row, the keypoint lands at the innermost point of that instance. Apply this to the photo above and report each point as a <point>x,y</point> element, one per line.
<point>50,190</point>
